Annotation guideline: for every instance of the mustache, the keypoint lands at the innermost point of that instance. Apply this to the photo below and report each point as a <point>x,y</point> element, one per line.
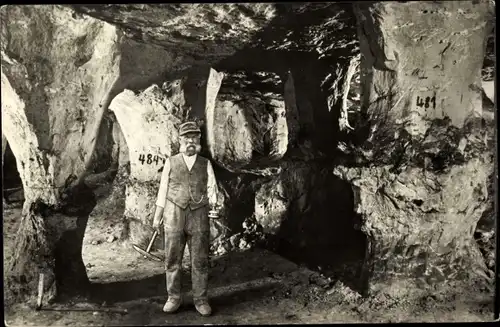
<point>184,147</point>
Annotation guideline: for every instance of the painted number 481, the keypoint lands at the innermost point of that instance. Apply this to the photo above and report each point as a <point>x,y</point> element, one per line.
<point>426,103</point>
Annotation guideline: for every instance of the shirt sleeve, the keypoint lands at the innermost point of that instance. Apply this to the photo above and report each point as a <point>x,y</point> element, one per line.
<point>211,185</point>
<point>162,191</point>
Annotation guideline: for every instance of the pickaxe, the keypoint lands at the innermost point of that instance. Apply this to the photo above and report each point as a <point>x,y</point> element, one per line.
<point>146,253</point>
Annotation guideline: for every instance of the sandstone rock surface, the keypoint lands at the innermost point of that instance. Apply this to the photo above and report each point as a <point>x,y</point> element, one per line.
<point>423,137</point>
<point>248,124</point>
<point>202,32</point>
<point>54,94</point>
<point>315,42</point>
<point>270,206</point>
<point>4,146</point>
<point>410,83</point>
<point>58,101</point>
<point>276,89</point>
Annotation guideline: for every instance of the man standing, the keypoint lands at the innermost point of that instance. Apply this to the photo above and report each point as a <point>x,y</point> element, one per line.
<point>187,189</point>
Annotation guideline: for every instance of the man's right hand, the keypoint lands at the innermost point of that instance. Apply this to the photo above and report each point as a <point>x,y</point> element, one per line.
<point>157,221</point>
<point>156,226</point>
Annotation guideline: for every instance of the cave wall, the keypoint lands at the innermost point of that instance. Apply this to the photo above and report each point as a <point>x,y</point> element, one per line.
<point>36,181</point>
<point>54,95</point>
<point>4,145</point>
<point>422,162</point>
<point>86,63</point>
<point>107,83</point>
<point>202,32</point>
<point>60,90</point>
<point>51,99</point>
<point>248,124</point>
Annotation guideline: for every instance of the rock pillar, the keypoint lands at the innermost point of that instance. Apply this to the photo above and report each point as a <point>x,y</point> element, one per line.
<point>421,180</point>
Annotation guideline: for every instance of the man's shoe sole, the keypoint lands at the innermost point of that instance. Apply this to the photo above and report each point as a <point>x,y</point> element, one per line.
<point>204,314</point>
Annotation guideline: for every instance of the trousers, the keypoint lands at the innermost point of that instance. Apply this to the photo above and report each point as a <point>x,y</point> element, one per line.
<point>191,227</point>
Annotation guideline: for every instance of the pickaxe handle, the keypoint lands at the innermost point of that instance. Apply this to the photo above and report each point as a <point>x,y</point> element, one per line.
<point>153,238</point>
<point>40,291</point>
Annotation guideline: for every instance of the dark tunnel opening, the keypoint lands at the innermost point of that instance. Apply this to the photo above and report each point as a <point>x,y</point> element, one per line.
<point>326,237</point>
<point>241,188</point>
<point>102,158</point>
<point>12,184</point>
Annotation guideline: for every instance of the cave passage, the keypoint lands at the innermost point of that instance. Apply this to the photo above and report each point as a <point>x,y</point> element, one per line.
<point>12,185</point>
<point>327,236</point>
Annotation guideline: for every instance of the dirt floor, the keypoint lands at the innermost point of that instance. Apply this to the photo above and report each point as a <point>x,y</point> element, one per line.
<point>251,287</point>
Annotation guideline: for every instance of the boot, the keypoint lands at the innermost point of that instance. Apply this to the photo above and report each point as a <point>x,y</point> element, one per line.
<point>172,305</point>
<point>203,307</point>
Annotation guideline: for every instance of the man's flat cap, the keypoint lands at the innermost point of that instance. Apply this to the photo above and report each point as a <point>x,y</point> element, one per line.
<point>189,127</point>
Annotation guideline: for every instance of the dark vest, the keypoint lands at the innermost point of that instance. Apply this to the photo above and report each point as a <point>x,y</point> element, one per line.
<point>187,188</point>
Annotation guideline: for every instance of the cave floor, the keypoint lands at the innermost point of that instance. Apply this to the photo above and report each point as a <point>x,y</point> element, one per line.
<point>252,287</point>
